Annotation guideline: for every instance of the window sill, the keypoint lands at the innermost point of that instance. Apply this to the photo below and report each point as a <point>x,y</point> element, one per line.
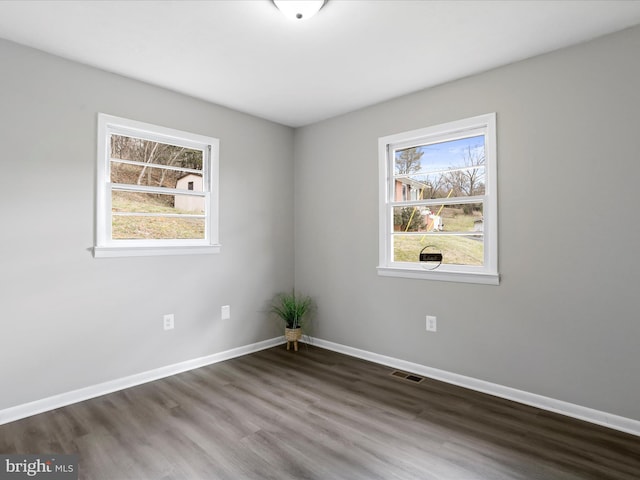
<point>140,251</point>
<point>441,275</point>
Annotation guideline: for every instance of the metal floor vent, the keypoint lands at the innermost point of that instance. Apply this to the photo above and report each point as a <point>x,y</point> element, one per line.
<point>407,376</point>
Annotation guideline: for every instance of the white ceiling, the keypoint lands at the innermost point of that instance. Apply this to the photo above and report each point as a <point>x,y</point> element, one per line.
<point>246,55</point>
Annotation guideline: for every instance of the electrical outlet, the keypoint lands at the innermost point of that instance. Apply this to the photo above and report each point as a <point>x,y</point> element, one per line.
<point>431,324</point>
<point>225,312</point>
<point>168,321</point>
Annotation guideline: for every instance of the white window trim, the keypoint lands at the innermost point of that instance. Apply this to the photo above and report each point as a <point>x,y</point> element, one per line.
<point>106,246</point>
<point>486,274</point>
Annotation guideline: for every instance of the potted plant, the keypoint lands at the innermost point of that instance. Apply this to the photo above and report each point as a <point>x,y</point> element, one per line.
<point>293,310</point>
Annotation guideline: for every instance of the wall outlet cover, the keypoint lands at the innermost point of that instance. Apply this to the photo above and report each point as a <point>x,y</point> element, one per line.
<point>431,324</point>
<point>168,321</point>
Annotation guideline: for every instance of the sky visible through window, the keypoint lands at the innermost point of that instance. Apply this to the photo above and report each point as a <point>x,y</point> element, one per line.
<point>444,155</point>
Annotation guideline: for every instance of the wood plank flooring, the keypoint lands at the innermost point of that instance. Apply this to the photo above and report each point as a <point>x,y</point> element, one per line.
<point>317,414</point>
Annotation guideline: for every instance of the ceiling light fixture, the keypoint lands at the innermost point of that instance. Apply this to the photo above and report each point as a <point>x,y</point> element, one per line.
<point>299,9</point>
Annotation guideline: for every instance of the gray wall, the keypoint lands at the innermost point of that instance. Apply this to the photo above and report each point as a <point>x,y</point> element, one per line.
<point>561,324</point>
<point>69,320</point>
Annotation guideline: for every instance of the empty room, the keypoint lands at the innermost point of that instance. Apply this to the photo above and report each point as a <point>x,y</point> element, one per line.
<point>196,195</point>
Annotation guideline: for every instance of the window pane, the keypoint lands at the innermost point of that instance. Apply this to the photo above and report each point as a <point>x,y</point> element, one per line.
<point>455,249</point>
<point>154,177</point>
<point>154,156</point>
<point>147,151</point>
<point>454,168</point>
<point>125,227</point>
<point>434,225</point>
<point>424,186</point>
<point>137,202</point>
<point>466,217</point>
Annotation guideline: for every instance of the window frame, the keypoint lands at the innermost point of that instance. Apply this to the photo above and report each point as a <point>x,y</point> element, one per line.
<point>484,274</point>
<point>105,245</point>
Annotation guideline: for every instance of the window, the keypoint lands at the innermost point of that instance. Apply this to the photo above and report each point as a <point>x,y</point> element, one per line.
<point>157,190</point>
<point>438,194</point>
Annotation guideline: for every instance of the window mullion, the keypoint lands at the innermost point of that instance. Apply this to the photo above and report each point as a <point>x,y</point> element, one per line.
<point>159,137</point>
<point>156,215</point>
<point>124,187</point>
<point>439,201</point>
<point>156,165</point>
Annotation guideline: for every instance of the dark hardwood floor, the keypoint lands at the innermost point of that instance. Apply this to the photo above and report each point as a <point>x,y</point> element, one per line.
<point>316,414</point>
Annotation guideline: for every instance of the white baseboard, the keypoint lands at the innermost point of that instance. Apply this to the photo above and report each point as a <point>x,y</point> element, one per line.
<point>609,420</point>
<point>558,406</point>
<point>56,401</point>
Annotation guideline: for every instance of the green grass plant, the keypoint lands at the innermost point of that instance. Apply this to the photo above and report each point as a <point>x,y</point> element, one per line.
<point>291,308</point>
